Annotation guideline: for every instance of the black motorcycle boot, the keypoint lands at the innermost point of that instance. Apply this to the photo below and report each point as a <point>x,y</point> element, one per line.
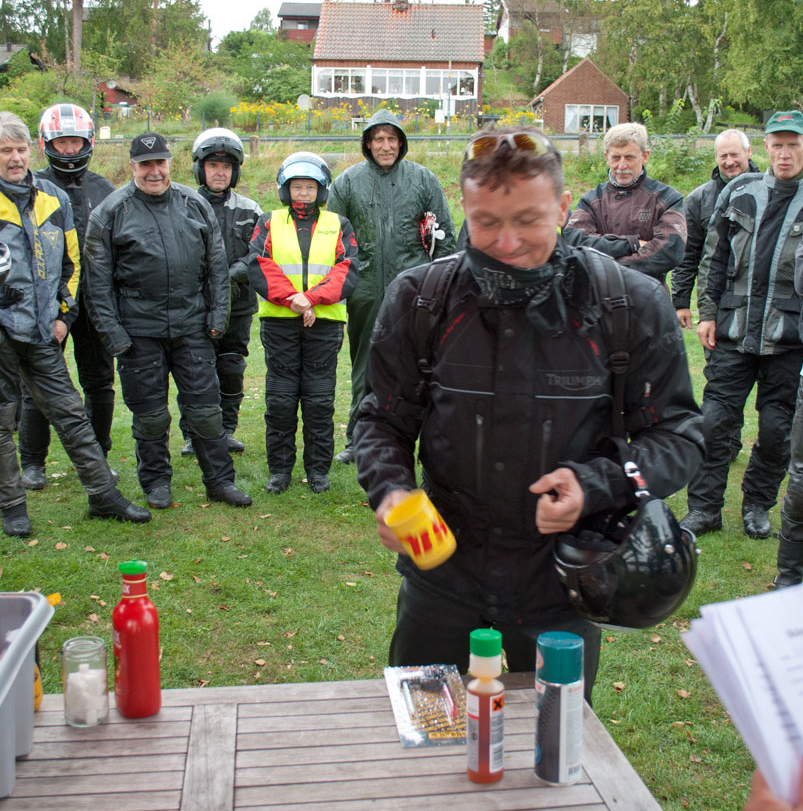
<point>790,563</point>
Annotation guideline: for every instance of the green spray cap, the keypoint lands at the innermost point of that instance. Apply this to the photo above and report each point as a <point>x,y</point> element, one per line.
<point>559,658</point>
<point>133,567</point>
<point>485,642</point>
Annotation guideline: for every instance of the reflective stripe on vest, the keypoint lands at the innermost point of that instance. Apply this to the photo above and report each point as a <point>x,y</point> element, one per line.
<point>286,253</point>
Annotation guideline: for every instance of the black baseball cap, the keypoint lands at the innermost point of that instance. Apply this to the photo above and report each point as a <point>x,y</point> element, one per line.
<point>150,146</point>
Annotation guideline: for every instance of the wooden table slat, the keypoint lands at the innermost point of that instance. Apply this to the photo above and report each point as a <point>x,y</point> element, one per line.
<point>100,765</point>
<point>209,782</point>
<point>143,801</point>
<point>98,784</point>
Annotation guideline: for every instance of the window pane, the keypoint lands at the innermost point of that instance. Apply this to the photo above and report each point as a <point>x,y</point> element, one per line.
<point>466,84</point>
<point>324,81</point>
<point>433,82</point>
<point>613,116</point>
<point>412,82</point>
<point>570,118</point>
<point>341,81</point>
<point>379,82</point>
<point>395,82</point>
<point>450,83</point>
<point>358,81</point>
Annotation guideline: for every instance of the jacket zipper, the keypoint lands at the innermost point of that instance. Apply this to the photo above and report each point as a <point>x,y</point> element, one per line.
<point>546,438</point>
<point>478,450</point>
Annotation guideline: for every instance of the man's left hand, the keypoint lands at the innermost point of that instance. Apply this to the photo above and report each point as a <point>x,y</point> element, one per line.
<point>214,333</point>
<point>59,330</point>
<point>560,510</point>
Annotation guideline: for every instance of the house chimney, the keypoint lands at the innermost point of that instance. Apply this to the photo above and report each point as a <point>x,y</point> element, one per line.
<point>400,5</point>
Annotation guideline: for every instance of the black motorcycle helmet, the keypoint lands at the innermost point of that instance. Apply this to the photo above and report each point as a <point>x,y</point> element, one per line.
<point>628,570</point>
<point>221,144</point>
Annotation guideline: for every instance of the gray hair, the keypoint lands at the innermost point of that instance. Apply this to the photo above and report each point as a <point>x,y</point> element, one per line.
<point>741,135</point>
<point>623,134</point>
<point>13,128</point>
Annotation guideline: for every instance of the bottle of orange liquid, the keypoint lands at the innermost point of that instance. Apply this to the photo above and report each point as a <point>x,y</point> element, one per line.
<point>485,705</point>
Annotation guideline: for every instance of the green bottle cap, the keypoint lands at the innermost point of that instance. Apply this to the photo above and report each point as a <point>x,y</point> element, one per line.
<point>485,642</point>
<point>133,567</point>
<point>559,658</point>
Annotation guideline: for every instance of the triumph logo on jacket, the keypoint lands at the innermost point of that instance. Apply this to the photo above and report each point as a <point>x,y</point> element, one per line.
<point>573,382</point>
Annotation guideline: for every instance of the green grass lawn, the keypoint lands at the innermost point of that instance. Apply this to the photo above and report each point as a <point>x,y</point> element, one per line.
<point>298,587</point>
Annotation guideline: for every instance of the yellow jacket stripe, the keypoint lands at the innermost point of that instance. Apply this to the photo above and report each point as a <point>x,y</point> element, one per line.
<point>286,252</point>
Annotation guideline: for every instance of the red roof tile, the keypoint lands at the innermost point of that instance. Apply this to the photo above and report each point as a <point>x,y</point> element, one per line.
<point>377,32</point>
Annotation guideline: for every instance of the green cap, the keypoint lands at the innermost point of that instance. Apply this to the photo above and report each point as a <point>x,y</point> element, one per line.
<point>485,642</point>
<point>559,658</point>
<point>133,567</point>
<point>787,121</point>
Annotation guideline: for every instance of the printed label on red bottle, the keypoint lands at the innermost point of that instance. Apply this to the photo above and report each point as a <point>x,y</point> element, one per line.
<point>135,587</point>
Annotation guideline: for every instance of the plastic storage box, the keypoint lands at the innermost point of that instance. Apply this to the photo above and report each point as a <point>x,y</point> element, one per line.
<point>23,617</point>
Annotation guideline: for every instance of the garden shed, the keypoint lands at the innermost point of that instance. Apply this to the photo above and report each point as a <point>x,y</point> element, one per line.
<point>584,99</point>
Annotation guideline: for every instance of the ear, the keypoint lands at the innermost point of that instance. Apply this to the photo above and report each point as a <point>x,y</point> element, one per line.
<point>563,207</point>
<point>644,156</point>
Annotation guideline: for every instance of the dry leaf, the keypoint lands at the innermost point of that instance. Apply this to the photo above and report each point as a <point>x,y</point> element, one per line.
<point>271,593</point>
<point>94,597</point>
<point>611,721</point>
<point>618,686</point>
<point>689,737</point>
<point>189,611</point>
<point>33,542</point>
<point>155,586</point>
<point>655,638</point>
<point>61,545</point>
<point>683,693</point>
<point>223,607</point>
<point>166,575</point>
<point>266,515</point>
<point>195,578</point>
<point>263,643</point>
<point>103,556</point>
<point>94,618</point>
<point>66,527</point>
<point>204,506</point>
<point>225,538</point>
<point>684,803</point>
<point>341,638</point>
<point>322,662</point>
<point>747,567</point>
<point>259,662</point>
<point>349,583</point>
<point>188,488</point>
<point>678,724</point>
<point>89,549</point>
<point>289,634</point>
<point>695,759</point>
<point>202,682</point>
<point>690,663</point>
<point>287,551</point>
<point>610,639</point>
<point>102,603</point>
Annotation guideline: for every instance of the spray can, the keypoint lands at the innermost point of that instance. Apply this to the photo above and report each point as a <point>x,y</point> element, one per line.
<point>559,708</point>
<point>135,624</point>
<point>485,706</point>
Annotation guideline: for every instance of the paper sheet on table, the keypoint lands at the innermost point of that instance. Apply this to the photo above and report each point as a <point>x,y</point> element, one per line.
<point>751,650</point>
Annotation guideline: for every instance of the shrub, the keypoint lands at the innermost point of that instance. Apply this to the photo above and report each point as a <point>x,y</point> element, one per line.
<point>215,106</point>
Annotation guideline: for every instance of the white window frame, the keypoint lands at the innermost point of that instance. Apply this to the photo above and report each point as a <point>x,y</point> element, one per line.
<point>401,77</point>
<point>576,112</point>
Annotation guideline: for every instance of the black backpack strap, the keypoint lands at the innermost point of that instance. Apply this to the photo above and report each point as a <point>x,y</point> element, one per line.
<point>429,306</point>
<point>615,306</point>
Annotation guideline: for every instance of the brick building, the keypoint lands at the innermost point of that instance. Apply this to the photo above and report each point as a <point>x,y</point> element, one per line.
<point>584,99</point>
<point>409,52</point>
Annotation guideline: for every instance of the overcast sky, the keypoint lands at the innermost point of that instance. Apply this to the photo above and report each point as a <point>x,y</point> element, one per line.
<point>235,15</point>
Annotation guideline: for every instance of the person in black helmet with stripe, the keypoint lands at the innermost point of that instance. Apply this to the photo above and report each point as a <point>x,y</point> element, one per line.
<point>303,264</point>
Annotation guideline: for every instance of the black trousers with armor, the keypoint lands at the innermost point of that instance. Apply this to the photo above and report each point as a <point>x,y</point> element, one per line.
<point>792,509</point>
<point>731,377</point>
<point>96,376</point>
<point>42,369</point>
<point>301,367</point>
<point>431,629</point>
<point>144,376</point>
<point>231,350</point>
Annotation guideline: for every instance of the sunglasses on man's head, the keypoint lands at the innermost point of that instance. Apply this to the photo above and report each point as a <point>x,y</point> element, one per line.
<point>483,145</point>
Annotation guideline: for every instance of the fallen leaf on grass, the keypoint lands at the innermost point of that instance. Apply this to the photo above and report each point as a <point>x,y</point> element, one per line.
<point>341,638</point>
<point>747,567</point>
<point>349,583</point>
<point>612,721</point>
<point>690,663</point>
<point>610,639</point>
<point>683,693</point>
<point>94,618</point>
<point>689,737</point>
<point>189,611</point>
<point>195,578</point>
<point>33,542</point>
<point>204,506</point>
<point>618,686</point>
<point>263,643</point>
<point>271,593</point>
<point>287,551</point>
<point>155,586</point>
<point>259,662</point>
<point>188,488</point>
<point>655,638</point>
<point>322,662</point>
<point>368,574</point>
<point>166,575</point>
<point>61,545</point>
<point>289,634</point>
<point>226,538</point>
<point>104,556</point>
<point>684,803</point>
<point>89,549</point>
<point>695,759</point>
<point>223,607</point>
<point>201,682</point>
<point>266,515</point>
<point>66,527</point>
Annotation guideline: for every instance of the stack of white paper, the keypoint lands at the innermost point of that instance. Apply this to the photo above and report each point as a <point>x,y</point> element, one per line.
<point>752,652</point>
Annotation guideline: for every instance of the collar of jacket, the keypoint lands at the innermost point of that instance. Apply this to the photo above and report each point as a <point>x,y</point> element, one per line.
<point>19,191</point>
<point>638,181</point>
<point>215,198</point>
<point>152,199</point>
<point>787,185</point>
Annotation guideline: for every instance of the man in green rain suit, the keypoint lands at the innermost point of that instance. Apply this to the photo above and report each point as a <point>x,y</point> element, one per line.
<point>387,199</point>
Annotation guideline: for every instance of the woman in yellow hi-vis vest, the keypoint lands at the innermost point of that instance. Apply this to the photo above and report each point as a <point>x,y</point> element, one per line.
<point>302,264</point>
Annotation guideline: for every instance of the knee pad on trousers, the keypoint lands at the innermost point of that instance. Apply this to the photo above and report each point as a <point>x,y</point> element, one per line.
<point>151,425</point>
<point>204,421</point>
<point>230,363</point>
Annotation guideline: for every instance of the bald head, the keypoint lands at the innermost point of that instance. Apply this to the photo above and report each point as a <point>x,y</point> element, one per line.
<point>732,152</point>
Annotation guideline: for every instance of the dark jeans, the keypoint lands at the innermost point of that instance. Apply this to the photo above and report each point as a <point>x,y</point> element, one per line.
<point>431,629</point>
<point>301,368</point>
<point>41,367</point>
<point>231,350</point>
<point>95,374</point>
<point>731,377</point>
<point>144,375</point>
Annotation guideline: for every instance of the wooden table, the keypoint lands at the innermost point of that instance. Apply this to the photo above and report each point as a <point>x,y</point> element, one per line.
<point>311,746</point>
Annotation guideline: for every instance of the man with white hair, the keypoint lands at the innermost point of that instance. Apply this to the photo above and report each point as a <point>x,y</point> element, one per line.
<point>630,204</point>
<point>732,152</point>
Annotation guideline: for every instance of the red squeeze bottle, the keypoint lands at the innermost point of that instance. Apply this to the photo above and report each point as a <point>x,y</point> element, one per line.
<point>135,624</point>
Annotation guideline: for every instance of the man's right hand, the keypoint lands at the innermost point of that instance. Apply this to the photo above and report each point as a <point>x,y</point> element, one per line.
<point>386,534</point>
<point>705,332</point>
<point>684,316</point>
